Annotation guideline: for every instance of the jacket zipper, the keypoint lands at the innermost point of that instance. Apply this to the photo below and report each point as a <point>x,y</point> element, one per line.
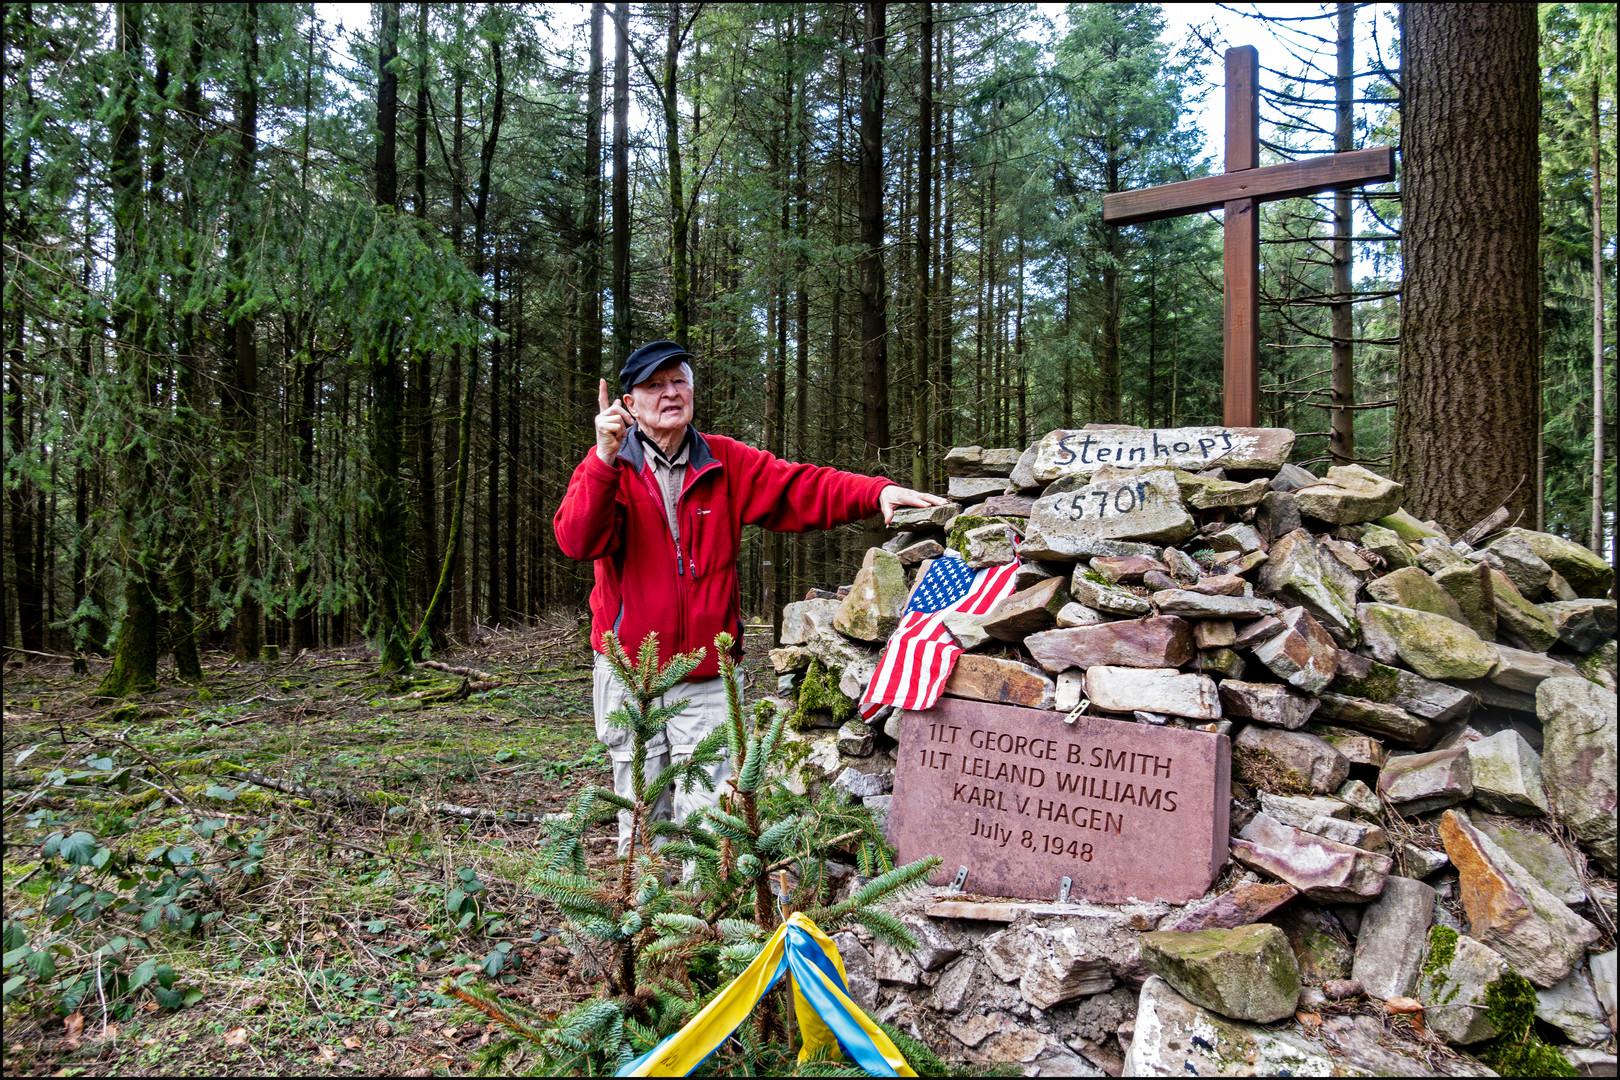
<point>680,561</point>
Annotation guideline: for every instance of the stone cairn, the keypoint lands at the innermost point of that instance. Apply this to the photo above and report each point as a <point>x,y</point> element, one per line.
<point>1423,746</point>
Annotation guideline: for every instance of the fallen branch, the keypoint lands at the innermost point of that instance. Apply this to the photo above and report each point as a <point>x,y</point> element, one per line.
<point>55,656</point>
<point>303,791</point>
<point>464,672</point>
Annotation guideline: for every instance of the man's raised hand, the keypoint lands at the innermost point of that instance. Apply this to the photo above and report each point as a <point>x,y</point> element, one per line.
<point>612,424</point>
<point>894,497</point>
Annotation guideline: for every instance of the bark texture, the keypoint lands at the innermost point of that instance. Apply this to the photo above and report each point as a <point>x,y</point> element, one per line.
<point>1470,343</point>
<point>874,313</point>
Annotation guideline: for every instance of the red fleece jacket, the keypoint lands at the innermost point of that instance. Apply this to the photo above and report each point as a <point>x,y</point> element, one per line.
<point>614,515</point>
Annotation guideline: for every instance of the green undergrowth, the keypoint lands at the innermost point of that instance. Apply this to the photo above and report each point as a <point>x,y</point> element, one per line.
<point>152,889</point>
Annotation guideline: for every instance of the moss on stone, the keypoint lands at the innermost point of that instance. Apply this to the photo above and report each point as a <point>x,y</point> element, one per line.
<point>1510,1006</point>
<point>1442,951</point>
<point>964,524</point>
<point>1264,770</point>
<point>1380,684</point>
<point>792,755</point>
<point>818,692</point>
<point>1436,964</point>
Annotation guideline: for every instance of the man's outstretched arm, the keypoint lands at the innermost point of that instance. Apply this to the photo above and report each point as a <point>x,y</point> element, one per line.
<point>785,496</point>
<point>894,497</point>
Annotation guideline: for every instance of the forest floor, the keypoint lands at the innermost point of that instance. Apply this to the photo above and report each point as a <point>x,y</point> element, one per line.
<point>255,931</point>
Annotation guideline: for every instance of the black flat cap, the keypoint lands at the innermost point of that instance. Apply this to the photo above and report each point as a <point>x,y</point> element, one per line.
<point>639,365</point>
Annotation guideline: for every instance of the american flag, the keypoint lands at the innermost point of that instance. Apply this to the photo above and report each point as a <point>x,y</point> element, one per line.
<point>921,653</point>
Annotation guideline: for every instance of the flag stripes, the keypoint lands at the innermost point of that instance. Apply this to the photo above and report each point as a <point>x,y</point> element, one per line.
<point>921,653</point>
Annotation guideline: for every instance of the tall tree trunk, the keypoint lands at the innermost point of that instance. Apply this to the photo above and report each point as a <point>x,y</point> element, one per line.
<point>1598,415</point>
<point>1110,404</point>
<point>1021,436</point>
<point>1342,427</point>
<point>492,472</point>
<point>773,578</point>
<point>134,666</point>
<point>925,171</point>
<point>387,391</point>
<point>88,628</point>
<point>457,437</point>
<point>590,300</point>
<point>1470,337</point>
<point>874,317</point>
<point>427,497</point>
<point>242,391</point>
<point>183,578</point>
<point>946,405</point>
<point>621,184</point>
<point>801,311</point>
<point>1068,341</point>
<point>513,419</point>
<point>452,573</point>
<point>301,614</point>
<point>22,500</point>
<point>679,225</point>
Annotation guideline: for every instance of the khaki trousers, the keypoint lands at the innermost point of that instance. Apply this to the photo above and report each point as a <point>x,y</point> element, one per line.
<point>705,711</point>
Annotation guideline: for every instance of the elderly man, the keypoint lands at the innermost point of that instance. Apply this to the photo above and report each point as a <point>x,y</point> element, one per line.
<point>660,508</point>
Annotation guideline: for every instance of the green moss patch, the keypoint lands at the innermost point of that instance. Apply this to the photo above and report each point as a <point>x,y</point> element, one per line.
<point>818,692</point>
<point>1510,1005</point>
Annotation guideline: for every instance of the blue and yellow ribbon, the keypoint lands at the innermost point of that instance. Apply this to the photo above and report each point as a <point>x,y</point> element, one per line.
<point>828,1017</point>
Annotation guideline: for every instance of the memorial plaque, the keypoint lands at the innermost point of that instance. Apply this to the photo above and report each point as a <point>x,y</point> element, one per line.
<point>1023,800</point>
<point>1081,453</point>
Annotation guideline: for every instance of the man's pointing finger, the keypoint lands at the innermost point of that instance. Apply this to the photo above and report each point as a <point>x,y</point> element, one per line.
<point>603,398</point>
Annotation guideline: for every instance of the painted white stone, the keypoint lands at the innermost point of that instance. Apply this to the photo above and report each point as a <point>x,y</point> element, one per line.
<point>1145,506</point>
<point>1160,690</point>
<point>1082,453</point>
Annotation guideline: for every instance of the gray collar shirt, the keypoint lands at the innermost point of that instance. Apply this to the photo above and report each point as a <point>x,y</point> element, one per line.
<point>670,474</point>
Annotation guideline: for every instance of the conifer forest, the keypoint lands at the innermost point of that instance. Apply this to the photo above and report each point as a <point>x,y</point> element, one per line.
<point>305,312</point>
<point>301,321</point>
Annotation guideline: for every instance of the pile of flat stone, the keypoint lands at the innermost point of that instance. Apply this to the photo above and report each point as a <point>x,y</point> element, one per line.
<point>1423,729</point>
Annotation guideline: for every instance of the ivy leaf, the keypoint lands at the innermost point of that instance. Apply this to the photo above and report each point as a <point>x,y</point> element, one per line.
<point>224,794</point>
<point>453,900</point>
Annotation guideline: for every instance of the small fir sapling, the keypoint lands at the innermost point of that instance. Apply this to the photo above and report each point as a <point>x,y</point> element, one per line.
<point>665,949</point>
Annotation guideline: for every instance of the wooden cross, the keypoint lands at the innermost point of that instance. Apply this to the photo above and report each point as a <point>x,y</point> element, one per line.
<point>1239,191</point>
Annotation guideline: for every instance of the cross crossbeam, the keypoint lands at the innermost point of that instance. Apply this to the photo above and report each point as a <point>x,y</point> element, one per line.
<point>1286,181</point>
<point>1238,192</point>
